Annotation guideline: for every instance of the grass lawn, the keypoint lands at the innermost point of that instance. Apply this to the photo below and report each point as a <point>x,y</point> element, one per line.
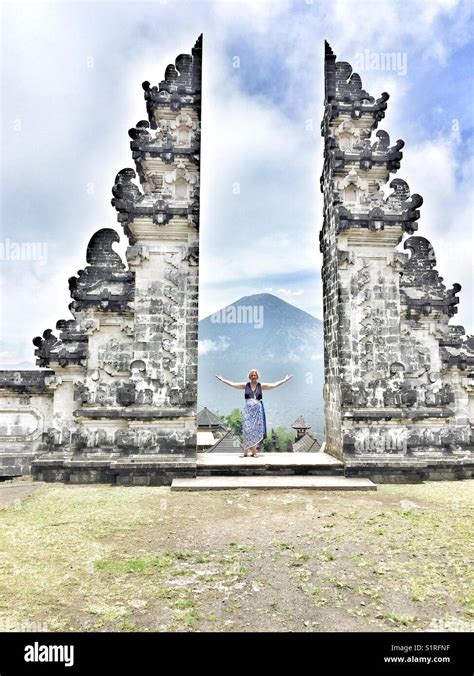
<point>103,558</point>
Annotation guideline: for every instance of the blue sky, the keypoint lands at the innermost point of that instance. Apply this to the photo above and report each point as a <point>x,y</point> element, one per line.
<point>71,89</point>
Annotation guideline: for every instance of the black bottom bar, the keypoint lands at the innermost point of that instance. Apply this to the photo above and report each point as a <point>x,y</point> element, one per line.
<point>151,653</point>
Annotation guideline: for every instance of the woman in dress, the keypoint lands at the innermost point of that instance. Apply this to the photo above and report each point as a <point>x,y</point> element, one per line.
<point>254,426</point>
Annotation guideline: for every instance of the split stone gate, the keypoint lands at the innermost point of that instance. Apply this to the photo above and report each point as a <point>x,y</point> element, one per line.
<point>115,399</point>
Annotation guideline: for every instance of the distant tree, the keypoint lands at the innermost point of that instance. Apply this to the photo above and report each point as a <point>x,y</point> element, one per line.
<point>284,434</point>
<point>234,421</point>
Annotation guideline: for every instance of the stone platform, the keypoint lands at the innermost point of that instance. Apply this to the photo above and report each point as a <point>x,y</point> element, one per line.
<point>411,470</point>
<point>268,464</point>
<point>144,470</point>
<point>227,471</point>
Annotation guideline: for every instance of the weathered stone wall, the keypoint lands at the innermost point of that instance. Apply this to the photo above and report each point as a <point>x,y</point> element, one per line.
<point>26,405</point>
<point>398,377</point>
<point>331,322</point>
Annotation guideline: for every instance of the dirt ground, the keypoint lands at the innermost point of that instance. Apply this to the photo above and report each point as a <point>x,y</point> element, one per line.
<point>103,558</point>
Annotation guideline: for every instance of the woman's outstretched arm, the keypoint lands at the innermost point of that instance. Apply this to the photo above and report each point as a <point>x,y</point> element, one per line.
<point>239,386</point>
<point>270,386</point>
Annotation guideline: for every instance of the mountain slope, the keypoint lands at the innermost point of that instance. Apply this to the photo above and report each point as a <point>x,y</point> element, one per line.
<point>264,332</point>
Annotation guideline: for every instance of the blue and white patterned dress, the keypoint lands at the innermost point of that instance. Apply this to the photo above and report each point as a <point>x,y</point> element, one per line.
<point>254,425</point>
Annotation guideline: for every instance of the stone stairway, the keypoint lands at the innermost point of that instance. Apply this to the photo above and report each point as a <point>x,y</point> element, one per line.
<point>315,471</point>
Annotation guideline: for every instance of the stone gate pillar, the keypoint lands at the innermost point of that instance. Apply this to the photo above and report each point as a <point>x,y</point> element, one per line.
<point>397,386</point>
<point>161,221</point>
<point>124,369</point>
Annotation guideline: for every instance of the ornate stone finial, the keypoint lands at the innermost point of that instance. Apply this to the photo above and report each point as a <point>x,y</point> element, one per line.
<point>423,255</point>
<point>329,72</point>
<point>100,252</point>
<point>69,349</point>
<point>184,63</point>
<point>47,340</point>
<point>421,283</point>
<point>181,82</point>
<point>349,84</point>
<point>171,74</point>
<point>124,190</point>
<point>140,131</point>
<point>92,288</point>
<point>400,200</point>
<point>344,92</point>
<point>328,49</point>
<point>44,347</point>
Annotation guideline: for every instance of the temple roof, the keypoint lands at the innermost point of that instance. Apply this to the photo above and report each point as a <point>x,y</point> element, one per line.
<point>229,443</point>
<point>307,444</point>
<point>206,418</point>
<point>301,424</point>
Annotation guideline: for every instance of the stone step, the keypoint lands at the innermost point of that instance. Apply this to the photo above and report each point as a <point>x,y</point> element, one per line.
<point>318,483</point>
<point>268,464</point>
<point>270,470</point>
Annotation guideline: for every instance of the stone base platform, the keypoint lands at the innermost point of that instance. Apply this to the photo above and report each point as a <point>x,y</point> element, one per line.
<point>124,471</point>
<point>410,470</point>
<point>15,464</point>
<point>268,464</point>
<point>156,470</point>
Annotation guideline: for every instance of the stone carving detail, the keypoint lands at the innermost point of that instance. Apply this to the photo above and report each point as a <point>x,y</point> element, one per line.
<point>114,357</point>
<point>126,395</point>
<point>422,286</point>
<point>124,191</point>
<point>398,209</point>
<point>103,284</point>
<point>181,86</point>
<point>44,347</point>
<point>344,93</point>
<point>353,147</point>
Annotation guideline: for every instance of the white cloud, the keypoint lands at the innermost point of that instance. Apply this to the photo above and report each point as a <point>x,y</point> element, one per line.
<point>289,293</point>
<point>285,293</point>
<point>207,345</point>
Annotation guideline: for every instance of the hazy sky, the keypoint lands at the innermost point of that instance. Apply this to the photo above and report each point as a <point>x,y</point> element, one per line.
<point>71,89</point>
